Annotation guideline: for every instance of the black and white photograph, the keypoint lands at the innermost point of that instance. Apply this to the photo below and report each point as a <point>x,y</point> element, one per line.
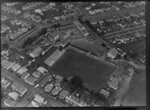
<point>73,54</point>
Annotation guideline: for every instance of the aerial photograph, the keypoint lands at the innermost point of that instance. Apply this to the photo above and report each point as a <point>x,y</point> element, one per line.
<point>73,54</point>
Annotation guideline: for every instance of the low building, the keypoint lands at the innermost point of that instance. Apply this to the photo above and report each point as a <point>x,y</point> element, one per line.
<point>78,25</point>
<point>105,92</point>
<point>16,35</point>
<point>112,53</point>
<point>65,42</point>
<point>113,83</point>
<point>56,90</point>
<point>24,75</point>
<point>42,70</point>
<point>48,87</point>
<point>15,67</point>
<point>74,100</point>
<point>22,70</point>
<point>13,95</point>
<point>47,79</point>
<point>63,94</point>
<point>54,57</point>
<point>40,100</point>
<point>19,88</point>
<point>59,78</point>
<point>36,52</point>
<point>9,102</point>
<point>30,80</point>
<point>7,64</point>
<point>36,74</point>
<point>35,104</point>
<point>5,83</point>
<point>84,32</point>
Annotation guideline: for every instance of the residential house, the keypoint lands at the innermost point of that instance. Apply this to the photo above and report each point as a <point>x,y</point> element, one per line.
<point>105,92</point>
<point>112,53</point>
<point>48,87</point>
<point>5,83</point>
<point>36,52</point>
<point>13,95</point>
<point>56,90</point>
<point>19,88</point>
<point>25,75</point>
<point>15,67</point>
<point>63,94</point>
<point>40,100</point>
<point>30,80</point>
<point>36,74</point>
<point>42,70</point>
<point>7,64</point>
<point>22,70</point>
<point>47,79</point>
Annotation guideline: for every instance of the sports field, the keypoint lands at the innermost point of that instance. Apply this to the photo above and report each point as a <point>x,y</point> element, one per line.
<point>93,72</point>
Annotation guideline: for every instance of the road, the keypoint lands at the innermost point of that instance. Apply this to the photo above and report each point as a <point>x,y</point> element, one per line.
<point>124,31</point>
<point>31,91</point>
<point>122,91</point>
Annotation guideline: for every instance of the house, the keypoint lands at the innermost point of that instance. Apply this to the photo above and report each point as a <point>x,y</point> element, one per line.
<point>105,92</point>
<point>16,34</point>
<point>42,70</point>
<point>19,88</point>
<point>13,95</point>
<point>47,79</point>
<point>113,83</point>
<point>34,104</point>
<point>65,42</point>
<point>9,102</point>
<point>48,87</point>
<point>7,64</point>
<point>54,57</point>
<point>36,74</point>
<point>56,90</point>
<point>22,70</point>
<point>30,80</point>
<point>63,94</point>
<point>59,78</point>
<point>25,75</point>
<point>5,83</point>
<point>84,32</point>
<point>78,25</point>
<point>36,52</point>
<point>15,67</point>
<point>112,53</point>
<point>39,99</point>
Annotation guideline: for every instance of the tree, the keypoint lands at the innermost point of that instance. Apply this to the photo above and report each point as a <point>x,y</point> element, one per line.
<point>5,46</point>
<point>76,84</point>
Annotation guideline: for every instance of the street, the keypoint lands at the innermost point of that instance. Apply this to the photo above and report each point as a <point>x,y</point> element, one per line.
<point>31,91</point>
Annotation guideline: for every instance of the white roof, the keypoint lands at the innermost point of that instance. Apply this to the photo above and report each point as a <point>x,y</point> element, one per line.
<point>105,92</point>
<point>35,104</point>
<point>22,70</point>
<point>39,99</point>
<point>13,95</point>
<point>15,67</point>
<point>42,69</point>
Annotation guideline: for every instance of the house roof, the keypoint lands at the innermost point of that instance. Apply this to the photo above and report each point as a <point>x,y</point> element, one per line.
<point>63,94</point>
<point>13,95</point>
<point>22,70</point>
<point>48,87</point>
<point>36,74</point>
<point>30,79</point>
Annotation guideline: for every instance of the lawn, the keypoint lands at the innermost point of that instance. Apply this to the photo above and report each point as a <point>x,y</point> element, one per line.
<point>93,72</point>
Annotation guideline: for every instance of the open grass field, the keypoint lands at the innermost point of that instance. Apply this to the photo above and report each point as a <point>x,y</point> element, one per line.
<point>93,72</point>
